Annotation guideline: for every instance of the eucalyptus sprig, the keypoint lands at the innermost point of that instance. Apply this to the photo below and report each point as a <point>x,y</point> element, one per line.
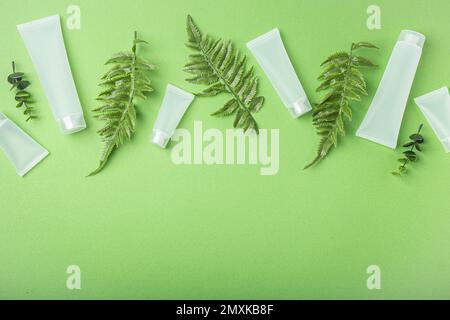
<point>23,97</point>
<point>122,85</point>
<point>345,82</point>
<point>223,69</point>
<point>410,155</point>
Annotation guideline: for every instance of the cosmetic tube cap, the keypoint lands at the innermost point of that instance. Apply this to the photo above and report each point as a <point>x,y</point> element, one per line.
<point>446,143</point>
<point>412,37</point>
<point>72,123</point>
<point>160,138</point>
<point>299,107</point>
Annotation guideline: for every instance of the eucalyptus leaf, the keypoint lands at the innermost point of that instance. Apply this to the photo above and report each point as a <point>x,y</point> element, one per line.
<point>416,138</point>
<point>23,84</point>
<point>18,83</point>
<point>15,77</point>
<point>415,142</point>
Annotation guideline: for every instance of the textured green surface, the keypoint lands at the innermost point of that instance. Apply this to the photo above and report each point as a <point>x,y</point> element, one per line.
<point>146,228</point>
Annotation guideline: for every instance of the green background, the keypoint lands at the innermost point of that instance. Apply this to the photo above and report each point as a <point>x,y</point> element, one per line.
<point>146,228</point>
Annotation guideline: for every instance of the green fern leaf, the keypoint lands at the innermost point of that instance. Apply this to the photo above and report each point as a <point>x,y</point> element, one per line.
<point>217,64</point>
<point>123,84</point>
<point>362,44</point>
<point>344,82</point>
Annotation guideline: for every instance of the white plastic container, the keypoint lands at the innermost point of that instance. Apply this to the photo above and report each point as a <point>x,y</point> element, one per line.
<point>383,120</point>
<point>23,152</point>
<point>436,108</point>
<point>174,105</point>
<point>45,44</point>
<point>271,55</point>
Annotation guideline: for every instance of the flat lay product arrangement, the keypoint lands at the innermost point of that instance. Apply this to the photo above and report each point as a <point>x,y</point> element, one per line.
<point>212,81</point>
<point>218,66</point>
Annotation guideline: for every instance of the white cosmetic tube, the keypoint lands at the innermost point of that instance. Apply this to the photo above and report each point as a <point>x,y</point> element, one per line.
<point>174,105</point>
<point>45,44</point>
<point>271,55</point>
<point>436,108</point>
<point>383,120</point>
<point>23,152</point>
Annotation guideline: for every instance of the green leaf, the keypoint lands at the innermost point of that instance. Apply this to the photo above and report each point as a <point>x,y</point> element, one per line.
<point>123,84</point>
<point>193,32</point>
<point>15,77</point>
<point>417,146</point>
<point>343,83</point>
<point>347,111</point>
<point>22,96</point>
<point>336,57</point>
<point>411,155</point>
<point>416,138</point>
<point>23,84</point>
<point>256,104</point>
<point>136,41</point>
<point>409,144</point>
<point>228,109</point>
<point>212,90</point>
<point>362,62</point>
<point>223,69</point>
<point>363,44</point>
<point>17,81</point>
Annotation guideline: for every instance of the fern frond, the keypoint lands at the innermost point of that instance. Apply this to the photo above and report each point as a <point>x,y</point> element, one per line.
<point>344,82</point>
<point>122,85</point>
<point>219,66</point>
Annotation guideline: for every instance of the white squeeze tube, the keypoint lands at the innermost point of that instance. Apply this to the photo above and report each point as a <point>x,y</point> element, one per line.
<point>23,152</point>
<point>174,105</point>
<point>436,108</point>
<point>45,44</point>
<point>271,55</point>
<point>383,120</point>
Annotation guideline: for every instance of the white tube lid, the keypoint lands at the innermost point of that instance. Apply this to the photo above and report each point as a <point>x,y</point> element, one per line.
<point>160,138</point>
<point>72,123</point>
<point>299,107</point>
<point>412,37</point>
